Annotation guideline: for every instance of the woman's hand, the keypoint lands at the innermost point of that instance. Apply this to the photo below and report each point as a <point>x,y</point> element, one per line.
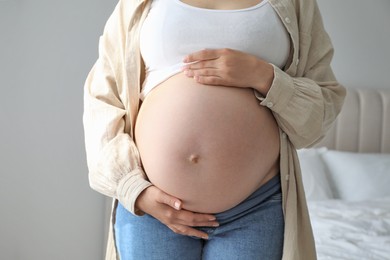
<point>227,67</point>
<point>167,209</point>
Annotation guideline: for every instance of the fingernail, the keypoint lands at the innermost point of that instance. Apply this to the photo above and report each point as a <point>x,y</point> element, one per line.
<point>205,237</point>
<point>212,218</point>
<point>177,205</point>
<point>216,225</point>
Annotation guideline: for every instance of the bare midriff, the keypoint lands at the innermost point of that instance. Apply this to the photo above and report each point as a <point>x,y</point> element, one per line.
<point>210,146</point>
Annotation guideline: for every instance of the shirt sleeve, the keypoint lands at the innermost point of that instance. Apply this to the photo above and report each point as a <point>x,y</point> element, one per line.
<point>113,159</point>
<point>306,104</point>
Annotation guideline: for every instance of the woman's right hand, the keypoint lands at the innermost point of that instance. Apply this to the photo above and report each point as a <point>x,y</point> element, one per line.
<point>168,210</point>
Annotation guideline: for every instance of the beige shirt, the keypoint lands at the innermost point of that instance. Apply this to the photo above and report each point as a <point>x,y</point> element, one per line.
<point>305,99</point>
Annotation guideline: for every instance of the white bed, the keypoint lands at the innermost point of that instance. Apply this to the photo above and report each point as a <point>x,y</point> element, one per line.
<point>347,181</point>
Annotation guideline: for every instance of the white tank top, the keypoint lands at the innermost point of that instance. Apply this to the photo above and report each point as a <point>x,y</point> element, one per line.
<point>174,29</point>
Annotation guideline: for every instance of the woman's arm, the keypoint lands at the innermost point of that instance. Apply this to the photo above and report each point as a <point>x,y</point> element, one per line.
<point>112,157</point>
<point>307,103</point>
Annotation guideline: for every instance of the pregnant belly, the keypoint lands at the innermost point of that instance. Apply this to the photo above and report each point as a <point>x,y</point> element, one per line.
<point>210,146</point>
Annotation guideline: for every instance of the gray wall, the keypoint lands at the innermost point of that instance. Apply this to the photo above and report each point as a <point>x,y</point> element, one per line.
<point>360,31</point>
<point>47,47</point>
<point>47,209</point>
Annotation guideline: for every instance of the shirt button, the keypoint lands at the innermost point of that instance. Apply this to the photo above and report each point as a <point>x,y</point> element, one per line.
<point>284,135</point>
<point>297,62</point>
<point>270,104</point>
<point>287,177</point>
<point>287,20</point>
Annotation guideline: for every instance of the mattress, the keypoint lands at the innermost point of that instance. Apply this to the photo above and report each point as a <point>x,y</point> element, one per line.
<point>351,230</point>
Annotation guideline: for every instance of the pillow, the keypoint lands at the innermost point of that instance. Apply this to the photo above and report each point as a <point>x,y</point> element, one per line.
<point>314,175</point>
<point>358,176</point>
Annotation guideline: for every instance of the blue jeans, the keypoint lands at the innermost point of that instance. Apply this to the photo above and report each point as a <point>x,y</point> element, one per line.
<point>252,230</point>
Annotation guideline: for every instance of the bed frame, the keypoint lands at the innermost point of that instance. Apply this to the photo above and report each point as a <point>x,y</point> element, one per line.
<point>364,123</point>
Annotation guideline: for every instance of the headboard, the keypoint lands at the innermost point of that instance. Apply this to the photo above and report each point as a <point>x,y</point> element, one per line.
<point>363,124</point>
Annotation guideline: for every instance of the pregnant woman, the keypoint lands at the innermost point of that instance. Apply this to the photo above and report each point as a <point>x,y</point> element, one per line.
<point>193,114</point>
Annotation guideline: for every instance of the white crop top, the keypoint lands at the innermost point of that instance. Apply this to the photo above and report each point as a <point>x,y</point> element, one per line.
<point>174,29</point>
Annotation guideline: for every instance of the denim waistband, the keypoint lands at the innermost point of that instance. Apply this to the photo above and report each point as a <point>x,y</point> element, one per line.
<point>267,190</point>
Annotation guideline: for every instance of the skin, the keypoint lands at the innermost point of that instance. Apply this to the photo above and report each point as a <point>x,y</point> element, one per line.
<point>217,67</point>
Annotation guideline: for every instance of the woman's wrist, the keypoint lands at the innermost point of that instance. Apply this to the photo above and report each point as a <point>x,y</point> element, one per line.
<point>265,76</point>
<point>142,200</point>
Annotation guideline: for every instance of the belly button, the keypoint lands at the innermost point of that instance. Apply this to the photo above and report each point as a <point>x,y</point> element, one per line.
<point>193,158</point>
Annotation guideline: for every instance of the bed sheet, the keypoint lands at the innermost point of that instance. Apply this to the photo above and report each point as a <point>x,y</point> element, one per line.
<point>351,230</point>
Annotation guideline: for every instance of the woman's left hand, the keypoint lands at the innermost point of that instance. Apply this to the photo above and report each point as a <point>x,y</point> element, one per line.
<point>227,67</point>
